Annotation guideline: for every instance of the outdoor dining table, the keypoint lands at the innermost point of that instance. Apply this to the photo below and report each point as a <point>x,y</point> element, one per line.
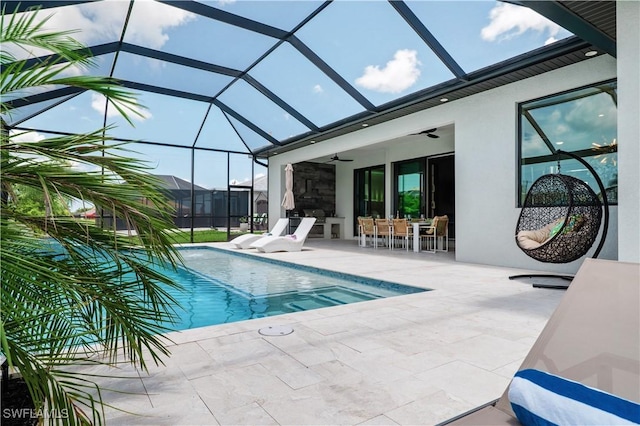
<point>416,232</point>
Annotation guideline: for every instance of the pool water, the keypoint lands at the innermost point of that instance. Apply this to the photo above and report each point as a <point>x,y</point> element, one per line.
<point>222,287</point>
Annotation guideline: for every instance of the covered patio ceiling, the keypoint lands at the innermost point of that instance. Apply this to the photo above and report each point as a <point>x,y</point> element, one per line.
<point>266,77</point>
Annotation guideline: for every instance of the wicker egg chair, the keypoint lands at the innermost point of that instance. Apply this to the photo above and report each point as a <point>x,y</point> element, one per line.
<point>572,206</point>
<point>567,215</point>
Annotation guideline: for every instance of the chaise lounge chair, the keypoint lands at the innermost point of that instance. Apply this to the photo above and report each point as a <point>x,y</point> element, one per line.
<point>245,241</point>
<point>584,369</point>
<point>288,242</point>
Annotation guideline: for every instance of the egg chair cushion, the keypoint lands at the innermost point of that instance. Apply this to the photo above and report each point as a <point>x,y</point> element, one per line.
<point>534,239</point>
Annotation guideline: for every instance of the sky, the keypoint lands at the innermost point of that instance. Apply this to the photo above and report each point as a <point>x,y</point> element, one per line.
<point>365,42</point>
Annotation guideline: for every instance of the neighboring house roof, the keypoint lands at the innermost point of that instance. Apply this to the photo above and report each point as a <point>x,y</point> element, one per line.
<point>174,183</point>
<point>261,183</point>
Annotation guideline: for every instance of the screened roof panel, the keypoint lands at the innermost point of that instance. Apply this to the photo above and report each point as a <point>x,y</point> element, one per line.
<point>163,160</point>
<point>19,115</point>
<point>374,49</point>
<point>166,119</point>
<point>81,114</point>
<point>217,133</point>
<point>304,86</point>
<point>93,23</point>
<point>170,29</point>
<point>260,110</point>
<point>166,74</point>
<point>480,33</point>
<point>350,60</point>
<point>249,137</point>
<point>283,14</point>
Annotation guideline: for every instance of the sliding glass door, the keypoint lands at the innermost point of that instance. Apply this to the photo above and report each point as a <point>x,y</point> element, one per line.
<point>409,177</point>
<point>368,193</point>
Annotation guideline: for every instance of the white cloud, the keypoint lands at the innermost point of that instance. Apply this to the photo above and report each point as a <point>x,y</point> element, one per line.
<point>508,21</point>
<point>398,74</point>
<point>550,40</point>
<point>98,103</point>
<point>317,89</point>
<point>151,20</point>
<point>21,136</point>
<point>102,22</point>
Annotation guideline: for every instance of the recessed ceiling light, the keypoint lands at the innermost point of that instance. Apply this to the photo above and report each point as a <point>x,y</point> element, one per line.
<point>274,153</point>
<point>559,143</point>
<point>312,141</point>
<point>444,99</point>
<point>365,125</point>
<point>591,53</point>
<point>600,115</point>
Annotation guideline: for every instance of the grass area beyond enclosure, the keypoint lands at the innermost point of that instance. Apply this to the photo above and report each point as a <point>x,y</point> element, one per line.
<point>204,236</point>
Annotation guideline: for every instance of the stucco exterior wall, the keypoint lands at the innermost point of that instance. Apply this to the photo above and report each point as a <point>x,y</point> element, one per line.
<point>485,145</point>
<point>628,31</point>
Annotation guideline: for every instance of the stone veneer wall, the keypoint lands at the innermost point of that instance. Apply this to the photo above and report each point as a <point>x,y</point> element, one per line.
<point>314,187</point>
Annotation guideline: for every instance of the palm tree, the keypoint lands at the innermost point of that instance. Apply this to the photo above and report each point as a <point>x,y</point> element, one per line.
<point>72,292</point>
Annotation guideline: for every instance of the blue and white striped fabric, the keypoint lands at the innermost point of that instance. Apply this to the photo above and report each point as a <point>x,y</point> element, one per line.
<point>542,399</point>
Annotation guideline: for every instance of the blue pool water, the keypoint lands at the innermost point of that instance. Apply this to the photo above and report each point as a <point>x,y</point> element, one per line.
<point>222,287</point>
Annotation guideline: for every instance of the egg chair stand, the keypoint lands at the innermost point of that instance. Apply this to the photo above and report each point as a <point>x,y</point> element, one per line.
<point>567,215</point>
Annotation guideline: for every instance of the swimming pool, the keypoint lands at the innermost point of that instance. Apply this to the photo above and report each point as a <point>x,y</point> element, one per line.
<point>223,287</point>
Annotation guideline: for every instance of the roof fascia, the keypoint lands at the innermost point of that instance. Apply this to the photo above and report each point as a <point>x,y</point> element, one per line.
<point>558,13</point>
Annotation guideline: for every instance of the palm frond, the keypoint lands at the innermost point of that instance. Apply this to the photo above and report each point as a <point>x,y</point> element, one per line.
<point>72,292</point>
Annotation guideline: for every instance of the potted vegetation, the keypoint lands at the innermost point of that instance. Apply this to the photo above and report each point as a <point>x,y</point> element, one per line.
<point>244,223</point>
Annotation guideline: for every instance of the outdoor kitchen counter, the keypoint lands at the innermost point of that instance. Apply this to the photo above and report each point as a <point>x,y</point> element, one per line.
<point>328,225</point>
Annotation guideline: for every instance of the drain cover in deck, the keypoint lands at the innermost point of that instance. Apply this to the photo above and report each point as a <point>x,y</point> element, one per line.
<point>276,330</point>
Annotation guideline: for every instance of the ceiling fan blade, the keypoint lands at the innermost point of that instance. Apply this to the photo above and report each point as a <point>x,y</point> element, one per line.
<point>431,135</point>
<point>345,159</point>
<point>336,158</point>
<point>425,132</point>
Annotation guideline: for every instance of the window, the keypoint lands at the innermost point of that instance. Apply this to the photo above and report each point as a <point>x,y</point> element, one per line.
<point>583,122</point>
<point>409,188</point>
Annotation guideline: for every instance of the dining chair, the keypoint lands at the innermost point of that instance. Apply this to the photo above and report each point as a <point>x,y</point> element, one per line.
<point>383,229</point>
<point>439,230</point>
<point>403,230</point>
<point>366,230</point>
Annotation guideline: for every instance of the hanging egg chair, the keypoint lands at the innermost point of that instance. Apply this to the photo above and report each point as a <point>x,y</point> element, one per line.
<point>561,218</point>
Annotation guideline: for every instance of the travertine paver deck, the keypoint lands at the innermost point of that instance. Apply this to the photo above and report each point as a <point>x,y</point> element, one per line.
<point>411,360</point>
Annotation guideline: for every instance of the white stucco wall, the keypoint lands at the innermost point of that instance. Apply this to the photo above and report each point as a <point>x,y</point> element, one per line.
<point>628,32</point>
<point>486,171</point>
<point>485,145</point>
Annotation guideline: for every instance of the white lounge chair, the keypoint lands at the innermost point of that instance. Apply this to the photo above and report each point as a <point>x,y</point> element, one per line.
<point>244,241</point>
<point>288,242</point>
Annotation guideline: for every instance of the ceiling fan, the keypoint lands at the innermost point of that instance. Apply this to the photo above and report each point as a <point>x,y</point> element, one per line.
<point>336,158</point>
<point>428,132</point>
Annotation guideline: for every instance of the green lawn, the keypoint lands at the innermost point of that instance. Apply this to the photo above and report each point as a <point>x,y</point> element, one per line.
<point>208,236</point>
